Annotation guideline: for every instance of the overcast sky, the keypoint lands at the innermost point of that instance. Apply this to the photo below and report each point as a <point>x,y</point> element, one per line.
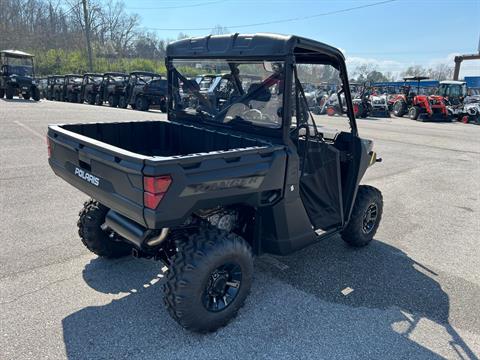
<point>393,34</point>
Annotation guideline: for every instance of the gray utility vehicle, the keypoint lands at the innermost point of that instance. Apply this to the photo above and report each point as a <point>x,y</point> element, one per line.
<point>17,75</point>
<point>207,190</point>
<point>90,88</point>
<point>42,84</point>
<point>72,87</point>
<point>144,90</point>
<point>112,88</point>
<point>51,80</point>
<point>57,87</point>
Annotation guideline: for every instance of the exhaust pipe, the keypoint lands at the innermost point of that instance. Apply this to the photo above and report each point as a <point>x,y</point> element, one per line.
<point>157,240</point>
<point>132,231</point>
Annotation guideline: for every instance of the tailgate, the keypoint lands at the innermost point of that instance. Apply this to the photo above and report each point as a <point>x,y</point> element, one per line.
<point>111,175</point>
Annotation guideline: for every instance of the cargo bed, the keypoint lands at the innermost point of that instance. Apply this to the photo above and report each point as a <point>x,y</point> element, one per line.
<point>108,161</point>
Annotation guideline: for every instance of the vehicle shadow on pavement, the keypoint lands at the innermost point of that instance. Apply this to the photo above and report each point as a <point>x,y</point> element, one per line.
<point>296,310</point>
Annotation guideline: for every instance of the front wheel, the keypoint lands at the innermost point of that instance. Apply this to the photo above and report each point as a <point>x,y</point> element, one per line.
<point>113,100</point>
<point>122,102</point>
<point>208,280</point>
<point>36,94</point>
<point>141,103</point>
<point>365,218</point>
<point>104,243</point>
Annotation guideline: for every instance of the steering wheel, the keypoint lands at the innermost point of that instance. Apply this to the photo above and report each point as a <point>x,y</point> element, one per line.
<point>256,115</point>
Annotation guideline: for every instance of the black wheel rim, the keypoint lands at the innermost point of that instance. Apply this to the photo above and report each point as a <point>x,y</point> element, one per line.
<point>370,218</point>
<point>222,287</point>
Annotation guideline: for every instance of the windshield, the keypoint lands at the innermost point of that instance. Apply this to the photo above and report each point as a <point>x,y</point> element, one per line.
<point>451,90</point>
<point>19,66</point>
<point>223,96</point>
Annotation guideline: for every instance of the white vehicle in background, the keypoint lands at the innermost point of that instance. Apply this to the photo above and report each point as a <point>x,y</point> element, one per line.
<point>379,104</point>
<point>471,110</point>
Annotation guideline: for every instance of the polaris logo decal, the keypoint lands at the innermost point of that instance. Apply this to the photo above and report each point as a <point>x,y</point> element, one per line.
<point>87,177</point>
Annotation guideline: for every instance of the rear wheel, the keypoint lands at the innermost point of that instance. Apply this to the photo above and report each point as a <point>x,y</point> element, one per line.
<point>104,243</point>
<point>399,108</point>
<point>208,280</point>
<point>414,112</point>
<point>9,92</point>
<point>2,93</point>
<point>365,218</point>
<point>163,107</point>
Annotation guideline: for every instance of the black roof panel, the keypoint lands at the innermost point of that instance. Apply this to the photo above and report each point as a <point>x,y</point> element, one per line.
<point>248,45</point>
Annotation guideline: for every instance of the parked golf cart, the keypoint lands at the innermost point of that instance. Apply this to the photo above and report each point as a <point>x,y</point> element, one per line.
<point>145,89</point>
<point>419,107</point>
<point>214,186</point>
<point>112,88</point>
<point>72,87</point>
<point>90,88</point>
<point>17,75</point>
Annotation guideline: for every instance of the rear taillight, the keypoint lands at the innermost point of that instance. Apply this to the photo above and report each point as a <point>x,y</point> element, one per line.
<point>49,147</point>
<point>154,189</point>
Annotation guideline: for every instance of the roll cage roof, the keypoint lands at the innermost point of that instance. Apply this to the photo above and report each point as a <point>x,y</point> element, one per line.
<point>145,73</point>
<point>115,74</point>
<point>16,53</point>
<point>260,45</point>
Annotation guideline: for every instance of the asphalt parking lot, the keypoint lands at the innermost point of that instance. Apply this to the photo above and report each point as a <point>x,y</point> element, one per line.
<point>416,288</point>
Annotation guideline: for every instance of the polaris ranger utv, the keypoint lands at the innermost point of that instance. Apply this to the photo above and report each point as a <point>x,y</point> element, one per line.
<point>145,89</point>
<point>90,87</point>
<point>207,190</point>
<point>112,88</point>
<point>72,87</point>
<point>17,75</point>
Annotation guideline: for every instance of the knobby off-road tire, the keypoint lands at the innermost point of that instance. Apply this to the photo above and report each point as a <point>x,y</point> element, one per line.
<point>208,264</point>
<point>141,103</point>
<point>92,216</point>
<point>9,92</point>
<point>365,218</point>
<point>36,94</point>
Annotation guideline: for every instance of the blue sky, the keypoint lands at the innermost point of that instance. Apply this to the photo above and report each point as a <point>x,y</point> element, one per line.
<point>392,35</point>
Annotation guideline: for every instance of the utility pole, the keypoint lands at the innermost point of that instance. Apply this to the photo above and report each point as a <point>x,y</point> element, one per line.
<point>87,34</point>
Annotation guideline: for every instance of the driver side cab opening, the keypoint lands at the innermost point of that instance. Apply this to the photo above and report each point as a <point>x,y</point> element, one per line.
<point>325,144</point>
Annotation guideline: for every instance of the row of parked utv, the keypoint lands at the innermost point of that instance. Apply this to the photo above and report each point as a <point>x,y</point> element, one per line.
<point>139,89</point>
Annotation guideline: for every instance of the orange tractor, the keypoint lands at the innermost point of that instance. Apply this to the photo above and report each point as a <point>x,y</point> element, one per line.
<point>418,107</point>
